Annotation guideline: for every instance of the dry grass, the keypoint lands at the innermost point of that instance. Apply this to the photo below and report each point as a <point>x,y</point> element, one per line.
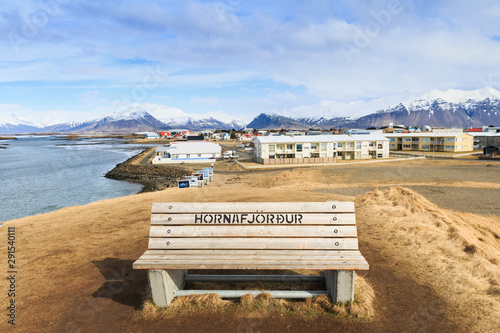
<point>361,308</point>
<point>457,254</point>
<point>66,257</point>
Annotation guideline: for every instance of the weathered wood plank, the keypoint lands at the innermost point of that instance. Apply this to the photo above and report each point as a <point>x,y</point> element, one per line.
<point>252,231</point>
<point>307,218</point>
<point>240,293</point>
<point>249,257</point>
<point>254,243</point>
<point>233,252</point>
<point>252,207</point>
<point>251,264</point>
<point>252,278</point>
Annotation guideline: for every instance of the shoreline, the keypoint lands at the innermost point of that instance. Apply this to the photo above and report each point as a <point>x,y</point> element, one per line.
<point>152,177</point>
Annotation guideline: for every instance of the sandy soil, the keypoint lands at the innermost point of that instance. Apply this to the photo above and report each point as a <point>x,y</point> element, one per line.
<point>75,275</point>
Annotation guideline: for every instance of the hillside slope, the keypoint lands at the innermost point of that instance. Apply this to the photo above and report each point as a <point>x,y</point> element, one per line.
<point>431,269</point>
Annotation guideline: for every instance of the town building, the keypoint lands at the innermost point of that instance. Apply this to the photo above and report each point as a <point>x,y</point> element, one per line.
<point>318,148</point>
<point>151,135</point>
<point>431,141</point>
<point>188,152</point>
<point>483,139</point>
<point>491,129</point>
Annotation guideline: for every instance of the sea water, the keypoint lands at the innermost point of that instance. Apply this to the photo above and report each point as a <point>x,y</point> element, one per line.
<point>43,174</point>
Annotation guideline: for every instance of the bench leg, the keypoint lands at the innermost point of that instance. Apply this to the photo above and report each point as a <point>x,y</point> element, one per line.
<point>340,285</point>
<point>163,283</point>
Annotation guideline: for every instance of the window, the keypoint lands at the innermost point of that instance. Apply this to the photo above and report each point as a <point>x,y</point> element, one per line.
<point>448,147</point>
<point>188,155</point>
<point>299,147</point>
<point>379,145</point>
<point>213,155</point>
<point>390,139</point>
<point>272,148</point>
<point>358,145</point>
<point>314,145</point>
<point>175,156</point>
<point>289,147</point>
<point>406,139</point>
<point>280,147</point>
<point>392,145</point>
<point>340,145</point>
<point>379,155</point>
<point>406,146</point>
<point>450,139</point>
<point>459,147</point>
<point>460,139</point>
<point>425,139</point>
<point>199,155</point>
<point>425,146</point>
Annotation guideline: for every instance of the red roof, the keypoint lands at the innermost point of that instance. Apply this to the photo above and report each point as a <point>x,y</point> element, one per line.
<point>475,130</point>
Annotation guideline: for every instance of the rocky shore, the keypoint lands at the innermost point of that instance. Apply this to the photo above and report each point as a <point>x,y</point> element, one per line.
<point>152,177</point>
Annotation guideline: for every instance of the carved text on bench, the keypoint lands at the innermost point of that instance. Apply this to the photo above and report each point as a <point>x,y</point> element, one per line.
<point>248,218</point>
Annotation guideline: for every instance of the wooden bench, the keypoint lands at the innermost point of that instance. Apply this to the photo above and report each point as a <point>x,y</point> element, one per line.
<point>252,235</point>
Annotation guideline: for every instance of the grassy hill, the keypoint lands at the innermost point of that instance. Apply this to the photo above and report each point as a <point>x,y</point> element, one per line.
<point>431,269</point>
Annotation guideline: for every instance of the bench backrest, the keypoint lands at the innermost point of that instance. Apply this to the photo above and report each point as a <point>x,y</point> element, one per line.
<point>327,225</point>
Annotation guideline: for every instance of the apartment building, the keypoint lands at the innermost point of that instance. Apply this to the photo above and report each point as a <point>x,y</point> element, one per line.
<point>319,148</point>
<point>430,141</point>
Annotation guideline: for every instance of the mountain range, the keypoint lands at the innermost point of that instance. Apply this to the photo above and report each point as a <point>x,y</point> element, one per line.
<point>450,108</point>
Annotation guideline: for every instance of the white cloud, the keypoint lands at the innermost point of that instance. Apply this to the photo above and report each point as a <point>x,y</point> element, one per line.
<point>208,44</point>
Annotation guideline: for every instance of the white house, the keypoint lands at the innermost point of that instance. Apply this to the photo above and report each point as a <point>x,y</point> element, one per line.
<point>188,152</point>
<point>151,135</point>
<point>319,148</point>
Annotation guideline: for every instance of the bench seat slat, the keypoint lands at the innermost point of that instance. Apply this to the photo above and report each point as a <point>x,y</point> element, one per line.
<point>253,207</point>
<point>247,257</point>
<point>252,264</point>
<point>307,218</point>
<point>255,252</point>
<point>252,231</point>
<point>254,243</point>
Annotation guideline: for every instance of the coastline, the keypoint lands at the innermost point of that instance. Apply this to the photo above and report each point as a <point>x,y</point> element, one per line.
<point>152,177</point>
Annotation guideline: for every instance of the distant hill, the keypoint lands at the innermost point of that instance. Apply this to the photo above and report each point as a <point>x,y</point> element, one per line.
<point>268,121</point>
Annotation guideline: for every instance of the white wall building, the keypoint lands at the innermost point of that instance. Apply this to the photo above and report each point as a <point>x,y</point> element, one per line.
<point>188,152</point>
<point>319,148</point>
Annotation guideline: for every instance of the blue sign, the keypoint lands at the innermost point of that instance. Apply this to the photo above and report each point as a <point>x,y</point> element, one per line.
<point>183,183</point>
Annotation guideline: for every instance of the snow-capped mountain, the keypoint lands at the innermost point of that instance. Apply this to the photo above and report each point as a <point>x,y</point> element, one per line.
<point>130,120</point>
<point>275,121</point>
<point>176,118</point>
<point>331,109</point>
<point>139,117</point>
<point>450,108</point>
<point>12,124</point>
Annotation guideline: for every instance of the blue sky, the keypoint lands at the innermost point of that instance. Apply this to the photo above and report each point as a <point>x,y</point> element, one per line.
<point>66,60</point>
